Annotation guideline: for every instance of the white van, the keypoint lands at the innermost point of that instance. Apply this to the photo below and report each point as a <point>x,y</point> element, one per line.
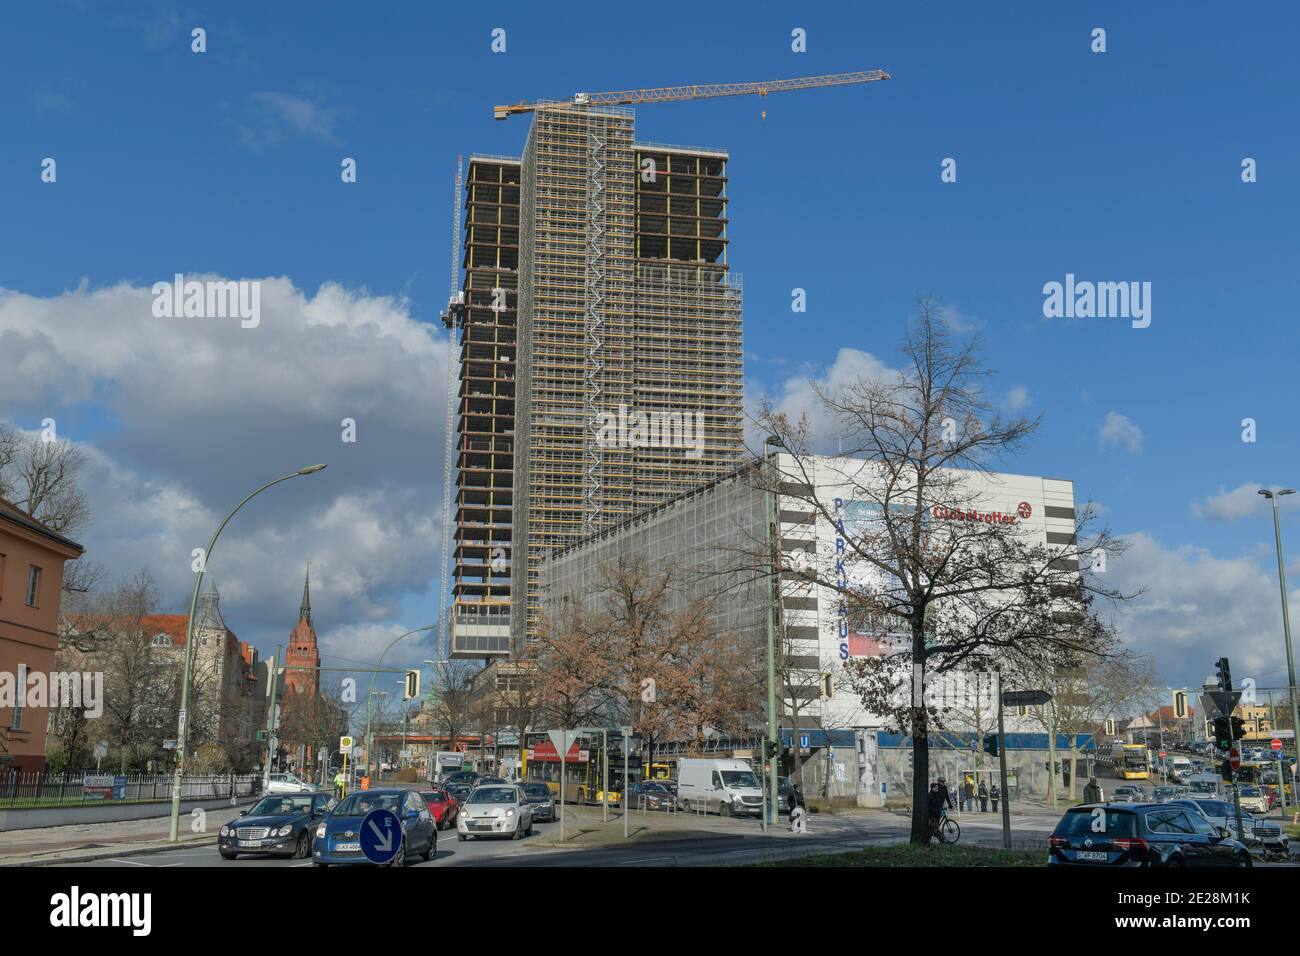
<point>729,787</point>
<point>1180,768</point>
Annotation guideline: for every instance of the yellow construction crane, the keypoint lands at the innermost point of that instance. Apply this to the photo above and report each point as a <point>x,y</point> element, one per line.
<point>669,94</point>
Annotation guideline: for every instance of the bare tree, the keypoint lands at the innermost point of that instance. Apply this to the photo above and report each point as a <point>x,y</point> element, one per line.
<point>42,477</point>
<point>450,703</point>
<point>571,666</point>
<point>952,589</point>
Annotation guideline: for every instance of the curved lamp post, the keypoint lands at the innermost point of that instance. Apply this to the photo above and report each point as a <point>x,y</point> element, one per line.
<point>1272,496</point>
<point>182,729</point>
<point>369,740</point>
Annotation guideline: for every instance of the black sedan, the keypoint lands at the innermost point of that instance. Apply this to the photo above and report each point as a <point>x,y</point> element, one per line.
<point>1141,834</point>
<point>279,825</point>
<point>542,801</point>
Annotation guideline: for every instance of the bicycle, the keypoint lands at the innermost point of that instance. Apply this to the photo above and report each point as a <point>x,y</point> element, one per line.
<point>948,830</point>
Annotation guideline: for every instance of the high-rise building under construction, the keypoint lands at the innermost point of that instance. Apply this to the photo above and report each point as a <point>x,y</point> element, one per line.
<point>600,352</point>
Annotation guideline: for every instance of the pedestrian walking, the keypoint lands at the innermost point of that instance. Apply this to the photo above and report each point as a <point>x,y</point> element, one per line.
<point>994,794</point>
<point>984,797</point>
<point>1092,792</point>
<point>968,796</point>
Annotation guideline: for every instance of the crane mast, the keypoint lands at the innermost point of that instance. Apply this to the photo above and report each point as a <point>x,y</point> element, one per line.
<point>453,317</point>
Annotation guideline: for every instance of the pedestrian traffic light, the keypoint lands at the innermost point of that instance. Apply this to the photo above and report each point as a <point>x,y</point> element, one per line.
<point>991,744</point>
<point>1224,673</point>
<point>1222,733</point>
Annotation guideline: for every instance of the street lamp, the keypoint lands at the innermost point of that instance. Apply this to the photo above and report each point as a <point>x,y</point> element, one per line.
<point>182,727</point>
<point>1286,617</point>
<point>369,737</point>
<point>770,811</point>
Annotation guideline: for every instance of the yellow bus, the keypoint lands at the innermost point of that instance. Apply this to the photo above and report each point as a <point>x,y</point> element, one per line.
<point>1130,761</point>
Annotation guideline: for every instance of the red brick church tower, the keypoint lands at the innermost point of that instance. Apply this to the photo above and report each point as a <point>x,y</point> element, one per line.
<point>302,660</point>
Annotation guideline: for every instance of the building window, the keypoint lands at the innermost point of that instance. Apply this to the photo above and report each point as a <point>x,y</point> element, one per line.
<point>33,585</point>
<point>16,723</point>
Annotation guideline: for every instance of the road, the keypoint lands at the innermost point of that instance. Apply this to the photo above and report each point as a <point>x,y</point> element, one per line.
<point>745,845</point>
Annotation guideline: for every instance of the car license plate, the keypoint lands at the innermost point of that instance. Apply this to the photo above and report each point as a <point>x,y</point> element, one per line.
<point>1098,855</point>
<point>347,847</point>
<point>250,842</point>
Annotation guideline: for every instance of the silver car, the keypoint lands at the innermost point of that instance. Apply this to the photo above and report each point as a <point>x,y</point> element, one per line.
<point>500,810</point>
<point>1261,836</point>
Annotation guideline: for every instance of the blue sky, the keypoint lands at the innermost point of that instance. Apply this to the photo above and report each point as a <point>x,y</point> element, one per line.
<point>1124,165</point>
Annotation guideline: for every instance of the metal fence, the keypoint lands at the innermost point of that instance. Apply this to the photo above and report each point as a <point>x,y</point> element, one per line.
<point>65,789</point>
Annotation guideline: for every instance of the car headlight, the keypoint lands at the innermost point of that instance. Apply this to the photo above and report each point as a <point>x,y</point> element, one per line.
<point>285,830</point>
<point>510,812</point>
<point>320,832</point>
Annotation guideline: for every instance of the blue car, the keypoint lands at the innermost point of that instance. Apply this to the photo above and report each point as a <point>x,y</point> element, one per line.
<point>279,825</point>
<point>338,837</point>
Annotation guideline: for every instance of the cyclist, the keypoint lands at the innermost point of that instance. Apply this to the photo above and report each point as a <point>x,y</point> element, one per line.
<point>939,799</point>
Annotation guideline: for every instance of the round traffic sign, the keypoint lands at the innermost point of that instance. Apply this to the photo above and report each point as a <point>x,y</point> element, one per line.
<point>1234,758</point>
<point>381,836</point>
<point>1162,755</point>
<point>1276,744</point>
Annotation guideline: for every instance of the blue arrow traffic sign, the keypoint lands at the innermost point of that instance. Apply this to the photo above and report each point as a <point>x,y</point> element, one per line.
<point>381,836</point>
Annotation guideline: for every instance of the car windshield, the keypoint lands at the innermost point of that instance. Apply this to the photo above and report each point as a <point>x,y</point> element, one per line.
<point>280,806</point>
<point>1080,823</point>
<point>359,804</point>
<point>1250,791</point>
<point>493,795</point>
<point>539,790</point>
<point>653,788</point>
<point>739,778</point>
<point>435,796</point>
<point>1215,808</point>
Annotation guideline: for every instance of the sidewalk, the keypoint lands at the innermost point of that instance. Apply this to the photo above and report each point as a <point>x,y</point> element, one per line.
<point>83,842</point>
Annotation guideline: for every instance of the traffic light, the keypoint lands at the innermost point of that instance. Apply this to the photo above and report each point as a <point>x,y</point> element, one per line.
<point>261,735</point>
<point>991,744</point>
<point>412,689</point>
<point>1238,728</point>
<point>770,749</point>
<point>1110,727</point>
<point>1224,672</point>
<point>1180,705</point>
<point>828,687</point>
<point>1222,733</point>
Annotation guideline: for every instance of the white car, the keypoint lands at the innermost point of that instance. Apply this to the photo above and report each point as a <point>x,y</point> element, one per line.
<point>1260,835</point>
<point>287,783</point>
<point>495,810</point>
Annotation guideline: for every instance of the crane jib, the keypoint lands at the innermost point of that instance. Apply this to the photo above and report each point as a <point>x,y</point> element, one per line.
<point>667,94</point>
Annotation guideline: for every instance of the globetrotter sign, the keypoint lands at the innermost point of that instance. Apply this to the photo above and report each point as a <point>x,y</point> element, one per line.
<point>1023,510</point>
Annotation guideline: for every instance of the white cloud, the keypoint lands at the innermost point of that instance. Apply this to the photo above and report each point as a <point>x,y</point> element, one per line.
<point>1017,398</point>
<point>183,417</point>
<point>1117,429</point>
<point>1244,501</point>
<point>795,396</point>
<point>1198,608</point>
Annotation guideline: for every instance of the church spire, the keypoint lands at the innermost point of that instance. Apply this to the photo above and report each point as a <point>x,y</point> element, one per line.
<point>304,612</point>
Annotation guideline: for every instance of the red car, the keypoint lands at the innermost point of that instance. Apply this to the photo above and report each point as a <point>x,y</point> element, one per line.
<point>443,807</point>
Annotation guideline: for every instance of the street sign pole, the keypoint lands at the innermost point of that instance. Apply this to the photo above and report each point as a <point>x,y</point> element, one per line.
<point>626,743</point>
<point>604,776</point>
<point>1002,772</point>
<point>1051,753</point>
